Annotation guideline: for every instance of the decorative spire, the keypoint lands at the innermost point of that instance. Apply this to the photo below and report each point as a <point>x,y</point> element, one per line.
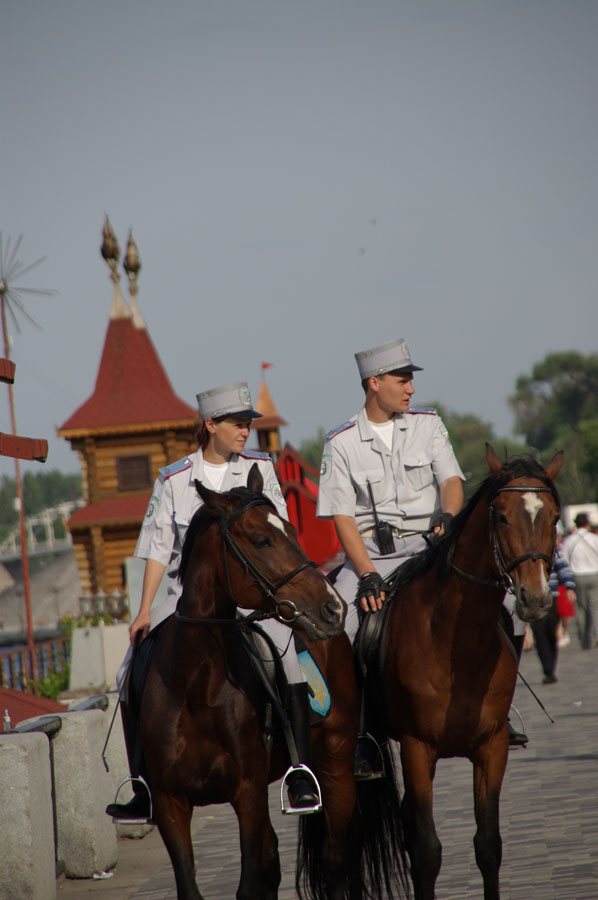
<point>110,249</point>
<point>132,266</point>
<point>111,253</point>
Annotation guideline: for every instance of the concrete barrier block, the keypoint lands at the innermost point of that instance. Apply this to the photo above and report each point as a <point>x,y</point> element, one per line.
<point>96,654</point>
<point>118,764</point>
<point>27,853</point>
<point>86,837</point>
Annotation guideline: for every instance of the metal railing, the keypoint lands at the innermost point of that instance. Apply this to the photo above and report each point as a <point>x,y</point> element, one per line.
<point>51,657</point>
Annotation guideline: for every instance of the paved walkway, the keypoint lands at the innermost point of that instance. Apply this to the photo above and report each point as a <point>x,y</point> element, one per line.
<point>549,813</point>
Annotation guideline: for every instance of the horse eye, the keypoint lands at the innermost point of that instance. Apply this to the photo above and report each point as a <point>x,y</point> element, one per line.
<point>502,519</point>
<point>263,542</point>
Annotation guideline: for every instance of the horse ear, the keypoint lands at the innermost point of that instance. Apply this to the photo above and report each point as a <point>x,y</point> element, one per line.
<point>494,463</point>
<point>554,466</point>
<point>255,482</point>
<point>210,498</point>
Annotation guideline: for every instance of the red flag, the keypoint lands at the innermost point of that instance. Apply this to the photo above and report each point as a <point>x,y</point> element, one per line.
<point>267,365</point>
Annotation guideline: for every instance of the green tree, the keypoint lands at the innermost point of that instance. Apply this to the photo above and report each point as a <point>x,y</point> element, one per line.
<point>556,408</point>
<point>41,490</point>
<point>468,435</point>
<point>311,448</point>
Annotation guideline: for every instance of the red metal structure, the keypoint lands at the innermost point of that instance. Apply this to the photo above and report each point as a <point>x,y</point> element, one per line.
<point>316,536</point>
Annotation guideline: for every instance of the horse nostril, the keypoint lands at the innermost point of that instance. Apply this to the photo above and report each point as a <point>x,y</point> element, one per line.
<point>331,611</point>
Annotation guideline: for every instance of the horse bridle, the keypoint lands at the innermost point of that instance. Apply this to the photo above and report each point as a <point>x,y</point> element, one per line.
<point>268,589</point>
<point>504,568</point>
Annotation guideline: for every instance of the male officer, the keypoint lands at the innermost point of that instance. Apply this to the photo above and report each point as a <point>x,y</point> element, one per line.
<point>396,459</point>
<point>387,475</point>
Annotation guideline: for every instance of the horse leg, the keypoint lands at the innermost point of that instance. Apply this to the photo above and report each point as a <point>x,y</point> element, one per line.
<point>489,767</point>
<point>424,848</point>
<point>173,818</point>
<point>260,863</point>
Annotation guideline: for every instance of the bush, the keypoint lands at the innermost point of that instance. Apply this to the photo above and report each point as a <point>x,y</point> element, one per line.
<point>50,686</point>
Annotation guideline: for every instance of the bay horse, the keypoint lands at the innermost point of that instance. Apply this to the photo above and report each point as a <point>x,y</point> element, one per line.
<point>448,672</point>
<point>202,715</point>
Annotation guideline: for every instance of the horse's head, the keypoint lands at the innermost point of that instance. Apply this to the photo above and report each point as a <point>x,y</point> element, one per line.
<point>523,511</point>
<point>261,565</point>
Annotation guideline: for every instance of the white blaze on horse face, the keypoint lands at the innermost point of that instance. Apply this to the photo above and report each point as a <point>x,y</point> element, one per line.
<point>273,519</point>
<point>533,504</point>
<point>332,592</point>
<point>545,585</point>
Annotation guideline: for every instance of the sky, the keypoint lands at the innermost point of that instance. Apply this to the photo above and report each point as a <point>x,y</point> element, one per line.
<point>303,181</point>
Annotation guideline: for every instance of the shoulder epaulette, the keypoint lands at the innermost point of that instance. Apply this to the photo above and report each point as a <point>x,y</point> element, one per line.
<point>174,468</point>
<point>255,454</point>
<point>340,428</point>
<point>423,412</point>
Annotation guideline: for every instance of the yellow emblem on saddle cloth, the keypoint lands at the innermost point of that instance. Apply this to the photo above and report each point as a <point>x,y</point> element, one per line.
<point>319,695</point>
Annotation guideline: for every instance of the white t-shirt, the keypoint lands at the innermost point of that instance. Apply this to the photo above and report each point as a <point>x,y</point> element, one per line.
<point>384,430</point>
<point>213,474</point>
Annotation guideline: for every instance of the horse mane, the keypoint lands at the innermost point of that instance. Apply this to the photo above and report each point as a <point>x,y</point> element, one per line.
<point>441,552</point>
<point>206,515</point>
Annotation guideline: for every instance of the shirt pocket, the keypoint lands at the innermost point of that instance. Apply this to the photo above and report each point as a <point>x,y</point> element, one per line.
<point>418,470</point>
<point>375,477</point>
<point>181,524</point>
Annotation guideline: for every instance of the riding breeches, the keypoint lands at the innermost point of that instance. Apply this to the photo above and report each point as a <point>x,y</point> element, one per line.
<point>282,638</point>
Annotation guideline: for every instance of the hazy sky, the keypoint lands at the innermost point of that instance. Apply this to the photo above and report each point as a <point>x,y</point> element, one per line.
<point>304,180</point>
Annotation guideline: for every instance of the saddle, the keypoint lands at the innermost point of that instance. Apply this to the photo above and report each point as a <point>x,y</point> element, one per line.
<point>266,663</point>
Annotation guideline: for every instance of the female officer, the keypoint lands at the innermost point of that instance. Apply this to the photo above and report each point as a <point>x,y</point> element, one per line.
<point>221,463</point>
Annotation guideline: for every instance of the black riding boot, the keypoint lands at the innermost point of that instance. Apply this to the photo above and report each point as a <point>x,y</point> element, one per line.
<point>368,764</point>
<point>304,795</point>
<point>138,809</point>
<point>517,738</point>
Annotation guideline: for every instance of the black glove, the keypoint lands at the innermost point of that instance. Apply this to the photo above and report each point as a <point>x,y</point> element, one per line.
<point>370,585</point>
<point>442,519</point>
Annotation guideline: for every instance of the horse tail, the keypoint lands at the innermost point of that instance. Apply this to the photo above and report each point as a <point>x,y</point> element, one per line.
<point>314,876</point>
<point>383,855</point>
<point>376,866</point>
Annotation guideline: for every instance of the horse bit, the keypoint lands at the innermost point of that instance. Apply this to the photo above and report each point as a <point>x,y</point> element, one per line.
<point>268,589</point>
<point>504,568</point>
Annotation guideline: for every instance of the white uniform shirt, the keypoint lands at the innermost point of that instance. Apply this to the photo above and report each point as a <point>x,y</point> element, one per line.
<point>404,480</point>
<point>173,504</point>
<point>580,549</point>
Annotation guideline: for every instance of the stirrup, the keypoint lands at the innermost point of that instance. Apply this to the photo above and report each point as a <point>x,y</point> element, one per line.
<point>377,770</point>
<point>285,806</point>
<point>517,737</point>
<point>144,820</point>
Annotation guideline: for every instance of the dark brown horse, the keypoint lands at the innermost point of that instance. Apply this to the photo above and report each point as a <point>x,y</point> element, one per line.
<point>202,711</point>
<point>449,674</point>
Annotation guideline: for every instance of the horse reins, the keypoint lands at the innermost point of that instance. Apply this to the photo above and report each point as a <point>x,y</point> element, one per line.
<point>268,589</point>
<point>504,568</point>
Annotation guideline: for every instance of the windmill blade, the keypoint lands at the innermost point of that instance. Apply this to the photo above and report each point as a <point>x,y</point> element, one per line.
<point>46,292</point>
<point>21,272</point>
<point>13,297</point>
<point>10,258</point>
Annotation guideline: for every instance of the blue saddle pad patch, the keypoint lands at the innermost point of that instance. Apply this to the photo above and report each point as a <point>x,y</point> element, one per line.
<point>319,695</point>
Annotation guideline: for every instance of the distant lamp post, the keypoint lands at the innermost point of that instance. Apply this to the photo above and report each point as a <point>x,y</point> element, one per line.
<point>12,269</point>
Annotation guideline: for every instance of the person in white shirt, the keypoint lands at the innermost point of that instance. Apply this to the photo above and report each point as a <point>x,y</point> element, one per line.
<point>580,549</point>
<point>388,476</point>
<point>221,463</point>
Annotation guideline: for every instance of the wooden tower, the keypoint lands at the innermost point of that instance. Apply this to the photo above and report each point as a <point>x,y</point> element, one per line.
<point>268,427</point>
<point>131,425</point>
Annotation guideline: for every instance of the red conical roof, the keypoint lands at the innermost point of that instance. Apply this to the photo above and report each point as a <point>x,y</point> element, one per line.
<point>132,387</point>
